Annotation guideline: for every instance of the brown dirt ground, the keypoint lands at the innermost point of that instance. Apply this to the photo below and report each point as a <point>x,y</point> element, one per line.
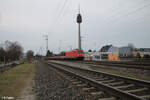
<point>27,93</point>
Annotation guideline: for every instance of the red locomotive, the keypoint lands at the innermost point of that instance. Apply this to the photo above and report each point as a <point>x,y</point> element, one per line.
<point>76,54</point>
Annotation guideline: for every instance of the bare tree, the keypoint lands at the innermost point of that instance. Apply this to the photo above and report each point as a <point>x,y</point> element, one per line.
<point>10,51</point>
<point>13,50</point>
<point>2,54</point>
<point>49,53</point>
<point>30,55</point>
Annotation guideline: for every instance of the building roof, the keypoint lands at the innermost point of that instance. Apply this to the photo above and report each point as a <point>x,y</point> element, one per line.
<point>105,48</point>
<point>143,49</point>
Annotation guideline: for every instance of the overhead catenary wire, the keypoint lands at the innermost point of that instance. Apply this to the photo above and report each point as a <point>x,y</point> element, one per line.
<point>123,12</point>
<point>64,12</point>
<point>58,15</point>
<point>119,12</point>
<point>130,12</point>
<point>59,5</point>
<point>128,8</point>
<point>62,9</point>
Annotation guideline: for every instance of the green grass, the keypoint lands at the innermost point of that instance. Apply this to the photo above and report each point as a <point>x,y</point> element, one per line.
<point>13,80</point>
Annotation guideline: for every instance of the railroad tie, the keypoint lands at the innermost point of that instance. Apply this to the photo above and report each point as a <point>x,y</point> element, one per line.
<point>108,81</point>
<point>97,77</point>
<point>68,78</point>
<point>87,89</point>
<point>101,79</point>
<point>76,82</point>
<point>116,83</point>
<point>73,80</point>
<point>145,96</point>
<point>110,98</point>
<point>137,90</point>
<point>97,93</point>
<point>81,85</point>
<point>70,86</point>
<point>124,86</point>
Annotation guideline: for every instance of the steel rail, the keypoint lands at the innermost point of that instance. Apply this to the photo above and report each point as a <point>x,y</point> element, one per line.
<point>116,64</point>
<point>109,89</point>
<point>133,80</point>
<point>120,62</point>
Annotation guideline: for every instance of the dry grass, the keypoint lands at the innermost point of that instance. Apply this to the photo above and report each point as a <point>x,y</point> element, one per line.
<point>14,80</point>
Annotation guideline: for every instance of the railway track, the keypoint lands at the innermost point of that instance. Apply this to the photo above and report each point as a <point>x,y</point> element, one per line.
<point>117,64</point>
<point>138,63</point>
<point>113,87</point>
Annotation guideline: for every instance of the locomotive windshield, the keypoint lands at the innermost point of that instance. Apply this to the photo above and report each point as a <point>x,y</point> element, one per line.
<point>80,51</point>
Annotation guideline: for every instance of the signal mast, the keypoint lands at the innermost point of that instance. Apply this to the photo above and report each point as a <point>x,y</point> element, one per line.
<point>79,21</point>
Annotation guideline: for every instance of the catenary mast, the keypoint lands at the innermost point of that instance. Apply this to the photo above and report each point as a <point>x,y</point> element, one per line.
<point>46,39</point>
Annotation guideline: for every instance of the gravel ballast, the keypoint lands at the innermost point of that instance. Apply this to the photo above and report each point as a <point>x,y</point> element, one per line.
<point>50,85</point>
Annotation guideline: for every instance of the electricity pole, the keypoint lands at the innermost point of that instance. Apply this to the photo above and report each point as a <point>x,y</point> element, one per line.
<point>60,42</point>
<point>46,39</point>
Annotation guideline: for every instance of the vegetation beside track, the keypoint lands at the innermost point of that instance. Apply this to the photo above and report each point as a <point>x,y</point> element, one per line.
<point>13,81</point>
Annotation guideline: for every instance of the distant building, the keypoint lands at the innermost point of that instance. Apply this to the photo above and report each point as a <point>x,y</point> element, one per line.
<point>95,56</point>
<point>125,52</point>
<point>105,48</point>
<point>109,52</point>
<point>142,52</point>
<point>88,55</point>
<point>145,50</point>
<point>112,53</point>
<point>110,49</point>
<point>113,49</point>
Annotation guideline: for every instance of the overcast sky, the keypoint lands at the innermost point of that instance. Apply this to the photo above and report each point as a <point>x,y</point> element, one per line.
<point>116,22</point>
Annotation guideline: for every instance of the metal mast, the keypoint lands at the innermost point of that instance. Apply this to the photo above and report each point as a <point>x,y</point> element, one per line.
<point>79,20</point>
<point>46,39</point>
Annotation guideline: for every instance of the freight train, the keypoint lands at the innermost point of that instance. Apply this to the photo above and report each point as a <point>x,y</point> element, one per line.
<point>76,54</point>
